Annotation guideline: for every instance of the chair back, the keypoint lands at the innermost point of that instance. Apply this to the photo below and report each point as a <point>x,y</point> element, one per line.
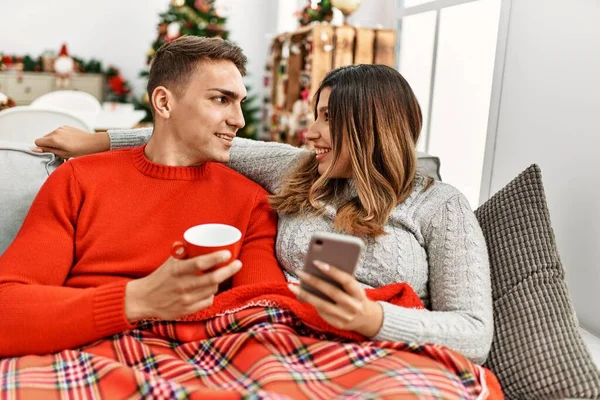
<point>83,104</point>
<point>25,123</point>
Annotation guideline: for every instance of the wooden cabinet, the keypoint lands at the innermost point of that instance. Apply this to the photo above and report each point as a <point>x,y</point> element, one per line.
<point>89,83</point>
<point>26,87</point>
<point>299,61</point>
<point>24,91</point>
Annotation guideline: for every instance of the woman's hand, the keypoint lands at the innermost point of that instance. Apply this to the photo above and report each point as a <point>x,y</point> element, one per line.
<point>351,308</point>
<point>67,142</point>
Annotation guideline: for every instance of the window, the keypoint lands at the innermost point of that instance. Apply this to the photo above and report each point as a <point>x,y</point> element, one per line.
<point>411,3</point>
<point>446,52</point>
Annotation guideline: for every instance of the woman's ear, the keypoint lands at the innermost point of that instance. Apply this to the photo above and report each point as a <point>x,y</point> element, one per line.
<point>162,102</point>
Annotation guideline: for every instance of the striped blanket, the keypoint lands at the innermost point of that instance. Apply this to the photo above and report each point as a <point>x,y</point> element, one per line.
<point>253,343</point>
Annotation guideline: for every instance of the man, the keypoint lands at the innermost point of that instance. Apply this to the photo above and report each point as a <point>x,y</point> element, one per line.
<point>81,269</point>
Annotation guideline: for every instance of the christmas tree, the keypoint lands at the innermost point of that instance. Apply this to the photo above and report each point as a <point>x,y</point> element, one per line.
<point>198,18</point>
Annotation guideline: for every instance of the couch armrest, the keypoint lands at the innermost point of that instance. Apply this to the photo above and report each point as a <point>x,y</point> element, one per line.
<point>22,174</point>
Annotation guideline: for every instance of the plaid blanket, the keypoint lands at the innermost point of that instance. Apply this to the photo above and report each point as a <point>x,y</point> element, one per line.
<point>251,352</point>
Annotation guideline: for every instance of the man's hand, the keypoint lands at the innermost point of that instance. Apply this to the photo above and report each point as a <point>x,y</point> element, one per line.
<point>176,288</point>
<point>67,142</point>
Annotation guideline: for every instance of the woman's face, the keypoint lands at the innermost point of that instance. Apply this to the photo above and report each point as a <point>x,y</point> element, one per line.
<point>319,138</point>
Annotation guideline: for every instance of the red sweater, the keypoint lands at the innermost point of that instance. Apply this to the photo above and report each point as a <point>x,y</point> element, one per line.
<point>100,221</point>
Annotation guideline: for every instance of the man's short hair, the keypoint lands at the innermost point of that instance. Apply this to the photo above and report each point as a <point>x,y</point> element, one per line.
<point>174,62</point>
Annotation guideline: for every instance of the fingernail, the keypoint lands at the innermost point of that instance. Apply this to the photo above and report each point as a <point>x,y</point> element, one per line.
<point>321,265</point>
<point>292,288</point>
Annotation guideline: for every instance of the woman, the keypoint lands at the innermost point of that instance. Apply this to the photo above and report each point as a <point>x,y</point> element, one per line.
<point>362,179</point>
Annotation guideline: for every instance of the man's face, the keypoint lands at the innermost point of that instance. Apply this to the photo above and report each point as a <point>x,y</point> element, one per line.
<point>207,114</point>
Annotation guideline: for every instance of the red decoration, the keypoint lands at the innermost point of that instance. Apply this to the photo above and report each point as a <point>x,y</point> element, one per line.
<point>8,103</point>
<point>305,94</point>
<point>64,65</point>
<point>202,6</point>
<point>118,85</point>
<point>162,29</point>
<point>63,50</point>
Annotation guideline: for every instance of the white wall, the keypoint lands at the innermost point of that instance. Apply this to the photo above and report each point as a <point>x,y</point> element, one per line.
<point>549,107</point>
<point>120,32</point>
<point>375,14</point>
<point>251,23</point>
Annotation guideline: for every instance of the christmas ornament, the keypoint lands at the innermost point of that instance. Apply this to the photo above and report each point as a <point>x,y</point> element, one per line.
<point>63,67</point>
<point>222,10</point>
<point>6,102</point>
<point>300,118</point>
<point>48,57</point>
<point>173,31</point>
<point>6,62</point>
<point>202,6</point>
<point>178,3</point>
<point>305,78</point>
<point>162,29</point>
<point>19,68</point>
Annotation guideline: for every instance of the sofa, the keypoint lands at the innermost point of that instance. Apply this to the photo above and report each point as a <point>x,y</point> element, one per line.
<point>539,351</point>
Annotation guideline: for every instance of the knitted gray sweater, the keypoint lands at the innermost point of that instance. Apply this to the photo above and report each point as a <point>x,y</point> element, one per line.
<point>434,243</point>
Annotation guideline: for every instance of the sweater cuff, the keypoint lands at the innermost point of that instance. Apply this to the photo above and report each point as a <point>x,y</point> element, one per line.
<point>123,138</point>
<point>398,324</point>
<point>109,309</point>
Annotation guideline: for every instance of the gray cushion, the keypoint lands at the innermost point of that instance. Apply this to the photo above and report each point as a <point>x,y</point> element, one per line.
<point>537,352</point>
<point>22,174</point>
<point>429,165</point>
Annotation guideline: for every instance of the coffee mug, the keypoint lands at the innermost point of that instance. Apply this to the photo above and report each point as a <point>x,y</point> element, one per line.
<point>208,238</point>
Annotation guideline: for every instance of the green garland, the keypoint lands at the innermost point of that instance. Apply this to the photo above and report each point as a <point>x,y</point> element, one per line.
<point>323,12</point>
<point>118,88</point>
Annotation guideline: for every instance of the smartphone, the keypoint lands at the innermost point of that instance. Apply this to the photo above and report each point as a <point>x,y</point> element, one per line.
<point>341,251</point>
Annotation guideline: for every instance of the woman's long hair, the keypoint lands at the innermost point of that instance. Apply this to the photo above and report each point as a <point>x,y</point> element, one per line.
<point>374,111</point>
